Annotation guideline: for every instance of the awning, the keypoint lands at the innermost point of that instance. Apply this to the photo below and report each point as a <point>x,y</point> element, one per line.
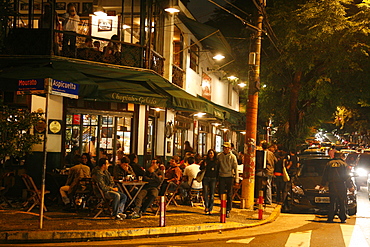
<point>216,42</point>
<point>224,113</point>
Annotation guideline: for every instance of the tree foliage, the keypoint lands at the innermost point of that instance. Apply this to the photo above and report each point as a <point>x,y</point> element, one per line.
<point>321,63</point>
<point>16,132</point>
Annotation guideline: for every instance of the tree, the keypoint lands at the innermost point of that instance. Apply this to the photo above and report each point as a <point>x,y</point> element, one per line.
<point>16,132</point>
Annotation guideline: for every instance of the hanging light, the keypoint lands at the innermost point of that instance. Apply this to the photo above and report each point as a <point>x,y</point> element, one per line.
<point>219,57</point>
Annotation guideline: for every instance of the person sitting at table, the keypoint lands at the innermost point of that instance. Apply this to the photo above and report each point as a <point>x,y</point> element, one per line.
<point>153,177</point>
<point>121,170</point>
<point>86,160</point>
<point>173,177</point>
<point>139,171</point>
<point>119,156</point>
<point>77,172</point>
<point>105,181</point>
<point>190,173</point>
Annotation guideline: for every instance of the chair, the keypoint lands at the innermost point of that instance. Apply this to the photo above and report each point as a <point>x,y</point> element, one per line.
<point>34,193</point>
<point>169,197</point>
<point>82,193</point>
<point>195,195</point>
<point>236,189</point>
<point>100,201</point>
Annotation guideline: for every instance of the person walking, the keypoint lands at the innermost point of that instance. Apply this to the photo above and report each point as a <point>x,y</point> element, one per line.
<point>339,180</point>
<point>228,169</point>
<point>211,165</point>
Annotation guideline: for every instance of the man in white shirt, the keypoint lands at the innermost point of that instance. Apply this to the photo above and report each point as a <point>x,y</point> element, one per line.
<point>70,27</point>
<point>189,174</point>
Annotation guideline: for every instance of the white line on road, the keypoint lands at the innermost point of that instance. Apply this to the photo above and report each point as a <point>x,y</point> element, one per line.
<point>301,239</point>
<point>240,241</point>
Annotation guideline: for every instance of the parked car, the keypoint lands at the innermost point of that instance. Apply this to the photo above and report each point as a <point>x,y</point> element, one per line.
<point>362,169</point>
<point>305,194</point>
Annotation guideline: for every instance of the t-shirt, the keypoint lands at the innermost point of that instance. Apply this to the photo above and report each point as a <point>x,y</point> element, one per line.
<point>191,172</point>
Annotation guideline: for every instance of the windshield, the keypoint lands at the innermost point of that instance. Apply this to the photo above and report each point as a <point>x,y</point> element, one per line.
<point>313,167</point>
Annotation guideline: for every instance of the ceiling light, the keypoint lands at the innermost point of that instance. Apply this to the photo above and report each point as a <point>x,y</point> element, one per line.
<point>216,124</point>
<point>124,26</point>
<point>200,114</point>
<point>232,77</point>
<point>242,84</point>
<point>219,57</point>
<point>243,132</point>
<point>171,10</point>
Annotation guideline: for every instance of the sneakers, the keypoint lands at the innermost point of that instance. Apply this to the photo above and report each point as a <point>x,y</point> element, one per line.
<point>123,216</point>
<point>118,217</point>
<point>134,215</point>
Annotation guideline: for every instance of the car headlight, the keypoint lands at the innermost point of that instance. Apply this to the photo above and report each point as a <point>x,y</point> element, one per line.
<point>361,172</point>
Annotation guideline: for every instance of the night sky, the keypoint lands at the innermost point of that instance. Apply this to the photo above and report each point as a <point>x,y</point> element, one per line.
<point>202,9</point>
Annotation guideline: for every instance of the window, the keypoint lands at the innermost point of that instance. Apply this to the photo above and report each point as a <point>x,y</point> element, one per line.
<point>194,56</point>
<point>178,46</point>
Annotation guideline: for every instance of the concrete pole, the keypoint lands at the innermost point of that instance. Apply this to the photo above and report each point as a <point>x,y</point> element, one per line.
<point>251,118</point>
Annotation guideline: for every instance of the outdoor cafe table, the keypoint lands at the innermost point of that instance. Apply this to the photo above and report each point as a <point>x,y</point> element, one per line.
<point>128,187</point>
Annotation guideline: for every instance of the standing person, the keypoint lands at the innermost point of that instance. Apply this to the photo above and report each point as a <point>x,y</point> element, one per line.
<point>338,178</point>
<point>105,181</point>
<point>332,151</point>
<point>293,163</point>
<point>228,169</point>
<point>281,191</point>
<point>70,26</point>
<point>269,170</point>
<point>90,148</point>
<point>187,147</point>
<point>211,165</point>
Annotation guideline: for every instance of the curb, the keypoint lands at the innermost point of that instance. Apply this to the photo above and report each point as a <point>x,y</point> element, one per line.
<point>83,235</point>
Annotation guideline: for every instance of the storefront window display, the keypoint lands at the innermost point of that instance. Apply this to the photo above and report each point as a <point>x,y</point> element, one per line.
<point>90,132</point>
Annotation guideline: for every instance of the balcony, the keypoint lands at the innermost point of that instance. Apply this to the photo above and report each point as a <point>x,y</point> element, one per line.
<point>22,41</point>
<point>178,76</point>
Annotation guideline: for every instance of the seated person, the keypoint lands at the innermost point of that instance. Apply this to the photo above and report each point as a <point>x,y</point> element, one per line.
<point>77,172</point>
<point>121,170</point>
<point>150,191</point>
<point>190,173</point>
<point>138,170</point>
<point>105,181</point>
<point>173,176</point>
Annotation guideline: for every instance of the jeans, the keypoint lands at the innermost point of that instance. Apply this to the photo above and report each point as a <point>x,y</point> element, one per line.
<point>209,186</point>
<point>226,187</point>
<point>281,191</point>
<point>268,193</point>
<point>119,200</point>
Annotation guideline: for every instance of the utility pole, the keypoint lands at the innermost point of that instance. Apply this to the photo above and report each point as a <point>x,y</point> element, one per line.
<point>251,117</point>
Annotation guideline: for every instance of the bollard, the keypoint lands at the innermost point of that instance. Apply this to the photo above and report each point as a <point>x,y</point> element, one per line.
<point>223,209</point>
<point>260,205</point>
<point>162,212</point>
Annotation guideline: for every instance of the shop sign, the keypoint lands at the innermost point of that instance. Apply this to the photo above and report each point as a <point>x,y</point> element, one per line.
<point>55,126</point>
<point>33,86</point>
<point>66,89</point>
<point>136,99</point>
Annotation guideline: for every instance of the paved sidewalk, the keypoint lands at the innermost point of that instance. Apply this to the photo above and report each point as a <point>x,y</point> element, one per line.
<point>19,226</point>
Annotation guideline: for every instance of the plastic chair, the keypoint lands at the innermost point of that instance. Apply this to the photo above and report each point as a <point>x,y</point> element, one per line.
<point>195,195</point>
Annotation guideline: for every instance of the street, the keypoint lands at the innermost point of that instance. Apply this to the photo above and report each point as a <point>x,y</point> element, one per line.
<point>288,230</point>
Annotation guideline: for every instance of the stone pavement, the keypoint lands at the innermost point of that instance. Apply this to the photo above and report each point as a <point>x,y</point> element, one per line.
<point>18,226</point>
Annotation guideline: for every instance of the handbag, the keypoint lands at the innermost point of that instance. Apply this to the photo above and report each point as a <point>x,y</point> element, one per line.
<point>286,177</point>
<point>200,175</point>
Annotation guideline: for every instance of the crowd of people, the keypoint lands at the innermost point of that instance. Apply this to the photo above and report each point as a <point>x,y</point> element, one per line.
<point>178,176</point>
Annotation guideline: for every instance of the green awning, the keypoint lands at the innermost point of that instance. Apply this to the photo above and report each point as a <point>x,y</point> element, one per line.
<point>221,112</point>
<point>216,42</point>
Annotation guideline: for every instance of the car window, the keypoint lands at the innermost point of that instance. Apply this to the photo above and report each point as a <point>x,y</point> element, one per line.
<point>312,168</point>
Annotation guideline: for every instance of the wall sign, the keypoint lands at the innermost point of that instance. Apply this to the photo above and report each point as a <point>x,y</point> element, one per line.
<point>55,127</point>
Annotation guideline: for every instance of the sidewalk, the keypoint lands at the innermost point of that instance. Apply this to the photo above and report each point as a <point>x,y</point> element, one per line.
<point>20,226</point>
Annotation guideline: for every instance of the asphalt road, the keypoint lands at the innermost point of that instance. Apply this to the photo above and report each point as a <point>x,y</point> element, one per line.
<point>289,230</point>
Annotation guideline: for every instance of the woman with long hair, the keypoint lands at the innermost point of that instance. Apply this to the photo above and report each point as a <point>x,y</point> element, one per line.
<point>211,165</point>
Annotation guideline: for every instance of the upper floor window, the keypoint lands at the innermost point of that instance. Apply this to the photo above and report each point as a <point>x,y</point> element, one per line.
<point>194,56</point>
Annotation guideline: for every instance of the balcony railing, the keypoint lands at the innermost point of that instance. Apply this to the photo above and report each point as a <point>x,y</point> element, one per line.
<point>22,41</point>
<point>178,76</point>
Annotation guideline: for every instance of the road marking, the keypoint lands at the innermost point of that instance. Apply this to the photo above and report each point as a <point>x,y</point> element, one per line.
<point>240,241</point>
<point>353,235</point>
<point>301,239</point>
